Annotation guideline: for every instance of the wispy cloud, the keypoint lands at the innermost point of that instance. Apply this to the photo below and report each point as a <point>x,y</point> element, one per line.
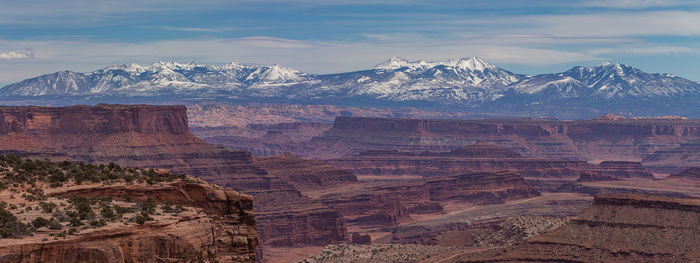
<point>634,4</point>
<point>191,29</point>
<point>14,55</point>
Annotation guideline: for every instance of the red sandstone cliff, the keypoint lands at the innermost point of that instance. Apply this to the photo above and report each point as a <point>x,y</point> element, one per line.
<point>220,229</point>
<point>158,137</point>
<point>480,157</point>
<point>630,139</point>
<point>616,228</point>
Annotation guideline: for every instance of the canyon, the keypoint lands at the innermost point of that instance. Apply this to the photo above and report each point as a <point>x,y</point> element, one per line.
<point>158,137</point>
<point>616,228</point>
<point>208,222</point>
<point>297,202</point>
<point>587,140</point>
<point>371,180</point>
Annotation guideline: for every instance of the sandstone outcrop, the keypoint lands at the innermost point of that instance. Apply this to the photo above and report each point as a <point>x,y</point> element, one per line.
<point>690,173</point>
<point>189,220</point>
<point>305,174</point>
<point>158,137</point>
<point>480,157</point>
<point>587,140</point>
<point>674,160</point>
<point>595,177</point>
<point>616,228</point>
<point>264,139</point>
<point>388,203</point>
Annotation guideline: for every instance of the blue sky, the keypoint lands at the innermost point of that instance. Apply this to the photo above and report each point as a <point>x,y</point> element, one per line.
<point>529,37</point>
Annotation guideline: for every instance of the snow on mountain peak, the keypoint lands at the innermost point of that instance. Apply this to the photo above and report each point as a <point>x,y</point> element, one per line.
<point>472,63</point>
<point>394,63</point>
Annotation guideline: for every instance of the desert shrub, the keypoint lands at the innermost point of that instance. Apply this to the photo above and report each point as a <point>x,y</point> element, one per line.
<point>40,222</point>
<point>148,206</point>
<point>121,210</point>
<point>75,222</point>
<point>10,226</point>
<point>54,224</point>
<point>98,223</point>
<point>83,206</point>
<point>142,218</point>
<point>108,213</point>
<point>47,207</point>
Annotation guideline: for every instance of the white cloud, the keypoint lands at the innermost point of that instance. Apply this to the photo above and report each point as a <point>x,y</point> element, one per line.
<point>191,29</point>
<point>645,50</point>
<point>12,55</point>
<point>633,4</point>
<point>614,24</point>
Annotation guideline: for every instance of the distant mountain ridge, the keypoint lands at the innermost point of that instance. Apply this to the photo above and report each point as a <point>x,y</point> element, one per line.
<point>467,84</point>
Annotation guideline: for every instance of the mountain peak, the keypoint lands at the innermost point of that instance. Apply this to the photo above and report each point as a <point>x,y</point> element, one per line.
<point>472,63</point>
<point>394,63</point>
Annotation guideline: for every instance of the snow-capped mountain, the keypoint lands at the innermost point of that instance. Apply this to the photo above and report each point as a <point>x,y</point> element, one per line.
<point>606,81</point>
<point>467,81</point>
<point>157,79</point>
<point>470,83</point>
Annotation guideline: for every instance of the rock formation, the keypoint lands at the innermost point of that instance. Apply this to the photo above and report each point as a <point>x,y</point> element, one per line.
<point>388,203</point>
<point>676,159</point>
<point>594,177</point>
<point>158,137</point>
<point>690,173</point>
<point>208,223</point>
<point>631,139</point>
<point>616,228</point>
<point>480,157</point>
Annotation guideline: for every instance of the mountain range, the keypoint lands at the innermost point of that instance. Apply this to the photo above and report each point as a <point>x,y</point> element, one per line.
<point>471,84</point>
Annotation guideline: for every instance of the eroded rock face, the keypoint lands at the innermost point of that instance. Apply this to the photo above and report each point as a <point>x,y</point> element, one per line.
<point>390,203</point>
<point>224,230</point>
<point>690,173</point>
<point>676,159</point>
<point>573,140</point>
<point>616,228</point>
<point>158,137</point>
<point>480,157</point>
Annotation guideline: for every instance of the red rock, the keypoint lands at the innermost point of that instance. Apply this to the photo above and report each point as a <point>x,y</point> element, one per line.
<point>225,231</point>
<point>391,202</point>
<point>478,158</point>
<point>595,177</point>
<point>690,173</point>
<point>158,137</point>
<point>361,239</point>
<point>616,228</point>
<point>629,139</point>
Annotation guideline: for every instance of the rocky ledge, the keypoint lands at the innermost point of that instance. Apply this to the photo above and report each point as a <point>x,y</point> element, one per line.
<point>616,228</point>
<point>69,212</point>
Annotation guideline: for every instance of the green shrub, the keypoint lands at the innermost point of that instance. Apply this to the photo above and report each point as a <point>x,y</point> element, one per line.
<point>47,207</point>
<point>40,222</point>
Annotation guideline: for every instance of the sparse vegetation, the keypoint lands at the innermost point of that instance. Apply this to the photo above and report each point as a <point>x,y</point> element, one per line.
<point>20,171</point>
<point>31,208</point>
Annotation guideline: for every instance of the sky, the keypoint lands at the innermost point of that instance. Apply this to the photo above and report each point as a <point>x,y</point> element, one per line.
<point>528,37</point>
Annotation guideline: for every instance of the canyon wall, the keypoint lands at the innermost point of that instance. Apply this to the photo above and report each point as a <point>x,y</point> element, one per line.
<point>222,230</point>
<point>616,228</point>
<point>590,140</point>
<point>480,157</point>
<point>158,137</point>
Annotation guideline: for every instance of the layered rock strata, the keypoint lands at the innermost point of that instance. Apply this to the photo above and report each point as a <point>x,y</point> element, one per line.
<point>390,203</point>
<point>616,228</point>
<point>222,229</point>
<point>158,137</point>
<point>588,140</point>
<point>480,157</point>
